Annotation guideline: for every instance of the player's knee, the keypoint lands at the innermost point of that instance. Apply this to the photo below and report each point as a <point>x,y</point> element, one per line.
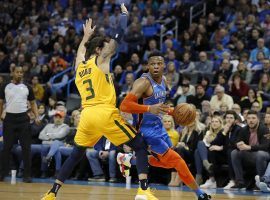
<point>172,158</point>
<point>77,152</point>
<point>137,143</point>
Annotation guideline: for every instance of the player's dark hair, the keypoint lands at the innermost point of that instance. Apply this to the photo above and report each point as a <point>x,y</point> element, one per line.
<point>15,67</point>
<point>155,53</point>
<point>92,44</point>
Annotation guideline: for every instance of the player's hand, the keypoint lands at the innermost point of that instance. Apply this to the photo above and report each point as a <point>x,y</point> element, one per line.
<point>124,9</point>
<point>37,121</point>
<point>87,29</point>
<point>159,108</point>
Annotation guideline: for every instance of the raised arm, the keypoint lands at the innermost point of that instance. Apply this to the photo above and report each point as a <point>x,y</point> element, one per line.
<point>88,32</point>
<point>109,50</point>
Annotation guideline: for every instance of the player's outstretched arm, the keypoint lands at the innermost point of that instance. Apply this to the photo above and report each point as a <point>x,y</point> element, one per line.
<point>109,50</point>
<point>87,33</point>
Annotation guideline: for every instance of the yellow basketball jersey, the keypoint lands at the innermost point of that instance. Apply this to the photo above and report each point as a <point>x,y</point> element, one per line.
<point>95,87</point>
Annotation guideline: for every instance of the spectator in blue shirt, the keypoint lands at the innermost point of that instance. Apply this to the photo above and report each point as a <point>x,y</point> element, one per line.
<point>260,47</point>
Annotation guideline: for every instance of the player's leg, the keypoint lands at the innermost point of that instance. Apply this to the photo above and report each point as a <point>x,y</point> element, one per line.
<point>85,137</point>
<point>120,132</point>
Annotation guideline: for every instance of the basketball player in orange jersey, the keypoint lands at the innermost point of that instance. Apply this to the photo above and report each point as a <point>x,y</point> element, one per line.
<point>99,116</point>
<point>152,88</point>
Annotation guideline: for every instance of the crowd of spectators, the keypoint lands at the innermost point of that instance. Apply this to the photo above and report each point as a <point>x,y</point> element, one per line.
<point>220,63</point>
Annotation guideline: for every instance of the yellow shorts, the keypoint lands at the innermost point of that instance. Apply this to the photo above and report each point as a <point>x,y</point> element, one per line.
<point>102,120</point>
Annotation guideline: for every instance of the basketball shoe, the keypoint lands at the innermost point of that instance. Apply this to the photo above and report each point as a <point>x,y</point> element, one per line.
<point>49,196</point>
<point>124,163</point>
<point>145,194</point>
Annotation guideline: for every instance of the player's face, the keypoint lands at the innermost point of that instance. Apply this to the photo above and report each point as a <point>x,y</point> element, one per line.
<point>156,66</point>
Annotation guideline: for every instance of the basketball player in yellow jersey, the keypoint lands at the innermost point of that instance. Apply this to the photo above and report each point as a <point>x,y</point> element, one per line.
<point>99,115</point>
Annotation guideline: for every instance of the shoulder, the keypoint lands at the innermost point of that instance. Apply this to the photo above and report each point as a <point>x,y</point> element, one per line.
<point>143,81</point>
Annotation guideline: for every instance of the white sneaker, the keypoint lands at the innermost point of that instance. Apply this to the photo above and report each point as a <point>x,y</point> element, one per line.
<point>257,181</point>
<point>209,184</point>
<point>124,163</point>
<point>229,185</point>
<point>264,187</point>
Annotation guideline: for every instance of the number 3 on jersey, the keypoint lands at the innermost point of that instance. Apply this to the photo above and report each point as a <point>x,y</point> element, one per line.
<point>90,88</point>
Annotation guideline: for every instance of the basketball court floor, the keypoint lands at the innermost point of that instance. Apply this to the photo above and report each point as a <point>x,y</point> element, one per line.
<point>82,190</point>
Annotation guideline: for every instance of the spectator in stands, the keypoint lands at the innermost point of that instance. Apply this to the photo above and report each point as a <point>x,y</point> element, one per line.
<point>264,89</point>
<point>182,98</point>
<point>143,68</point>
<point>51,109</point>
<point>152,47</point>
<point>245,74</point>
<point>265,69</point>
<point>171,57</point>
<point>118,71</point>
<point>206,83</point>
<point>251,148</point>
<point>45,73</point>
<point>246,102</point>
<point>219,98</point>
<point>171,72</point>
<point>187,66</point>
<point>225,68</point>
<point>168,124</point>
<point>252,41</point>
<point>103,150</point>
<point>191,135</point>
<point>134,37</point>
<point>203,65</point>
<point>238,88</point>
<point>37,89</point>
<point>202,151</point>
<point>128,85</point>
<point>223,81</point>
<point>260,47</point>
<point>52,137</point>
<point>4,62</point>
<point>199,97</point>
<point>236,108</point>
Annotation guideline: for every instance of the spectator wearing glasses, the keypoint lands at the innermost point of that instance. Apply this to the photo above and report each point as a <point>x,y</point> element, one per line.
<point>220,98</point>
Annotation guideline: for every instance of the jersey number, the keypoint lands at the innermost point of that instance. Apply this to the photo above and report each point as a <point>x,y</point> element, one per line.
<point>90,88</point>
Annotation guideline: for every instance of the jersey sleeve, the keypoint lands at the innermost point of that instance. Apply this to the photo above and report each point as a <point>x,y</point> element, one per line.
<point>31,96</point>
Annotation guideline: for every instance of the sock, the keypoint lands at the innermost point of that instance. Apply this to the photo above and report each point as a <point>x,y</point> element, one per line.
<point>55,188</point>
<point>198,192</point>
<point>144,184</point>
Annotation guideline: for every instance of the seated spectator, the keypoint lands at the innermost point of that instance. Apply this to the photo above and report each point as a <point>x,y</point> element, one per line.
<point>264,90</point>
<point>260,47</point>
<point>52,137</point>
<point>223,81</point>
<point>219,98</point>
<point>203,65</point>
<point>246,102</point>
<point>45,74</point>
<point>266,69</point>
<point>202,151</point>
<point>191,134</point>
<point>182,98</point>
<point>171,71</point>
<point>117,72</point>
<point>171,57</point>
<point>238,88</point>
<point>152,47</point>
<point>51,109</point>
<point>251,149</point>
<point>225,68</point>
<point>128,85</point>
<point>168,124</point>
<point>236,108</point>
<point>103,150</point>
<point>199,97</point>
<point>205,82</point>
<point>245,74</point>
<point>37,89</point>
<point>187,66</point>
<point>185,80</point>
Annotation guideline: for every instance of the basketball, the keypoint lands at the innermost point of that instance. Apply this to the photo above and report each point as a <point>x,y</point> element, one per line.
<point>184,114</point>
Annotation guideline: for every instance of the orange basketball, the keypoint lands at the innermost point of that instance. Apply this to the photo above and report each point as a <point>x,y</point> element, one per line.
<point>184,114</point>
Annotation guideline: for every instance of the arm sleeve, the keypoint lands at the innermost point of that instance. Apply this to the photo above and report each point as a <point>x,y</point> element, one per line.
<point>130,105</point>
<point>42,134</point>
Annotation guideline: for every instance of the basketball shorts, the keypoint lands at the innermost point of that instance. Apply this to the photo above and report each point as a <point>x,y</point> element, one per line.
<point>103,120</point>
<point>156,137</point>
